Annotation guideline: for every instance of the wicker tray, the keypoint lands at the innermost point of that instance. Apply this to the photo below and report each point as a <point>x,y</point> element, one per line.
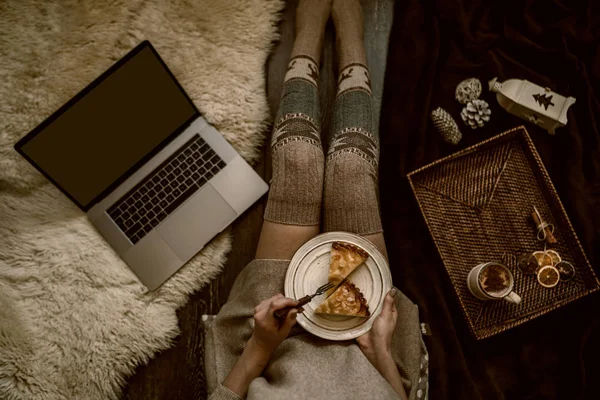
<point>477,204</point>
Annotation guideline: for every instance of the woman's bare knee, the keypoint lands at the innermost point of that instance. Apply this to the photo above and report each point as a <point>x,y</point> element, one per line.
<point>378,240</point>
<point>281,241</point>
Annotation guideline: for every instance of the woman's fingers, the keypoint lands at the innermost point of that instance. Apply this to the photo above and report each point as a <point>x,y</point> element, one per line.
<point>388,303</point>
<point>266,308</point>
<point>395,314</point>
<point>363,339</point>
<point>265,304</point>
<point>290,320</point>
<point>282,302</point>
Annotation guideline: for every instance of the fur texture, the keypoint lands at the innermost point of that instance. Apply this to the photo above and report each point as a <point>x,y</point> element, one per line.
<point>74,320</point>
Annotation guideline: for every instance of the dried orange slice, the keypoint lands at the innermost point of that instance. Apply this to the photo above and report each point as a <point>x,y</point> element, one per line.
<point>548,276</point>
<point>543,258</point>
<point>566,269</point>
<point>528,264</point>
<point>554,256</point>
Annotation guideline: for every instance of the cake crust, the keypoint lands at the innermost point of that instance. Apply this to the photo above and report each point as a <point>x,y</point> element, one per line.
<point>345,258</point>
<point>347,299</point>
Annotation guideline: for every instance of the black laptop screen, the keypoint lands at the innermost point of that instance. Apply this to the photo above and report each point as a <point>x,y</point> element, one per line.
<point>103,134</point>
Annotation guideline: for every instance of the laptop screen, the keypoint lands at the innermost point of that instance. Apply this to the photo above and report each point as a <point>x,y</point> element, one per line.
<point>112,127</point>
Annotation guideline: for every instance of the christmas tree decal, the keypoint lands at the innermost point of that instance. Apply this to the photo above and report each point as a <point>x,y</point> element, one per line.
<point>543,100</point>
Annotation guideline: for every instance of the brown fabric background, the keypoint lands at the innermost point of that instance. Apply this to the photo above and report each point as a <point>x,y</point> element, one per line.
<point>433,46</point>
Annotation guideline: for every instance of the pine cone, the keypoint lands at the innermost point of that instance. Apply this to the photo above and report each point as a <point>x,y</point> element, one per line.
<point>476,113</point>
<point>446,125</point>
<point>468,90</point>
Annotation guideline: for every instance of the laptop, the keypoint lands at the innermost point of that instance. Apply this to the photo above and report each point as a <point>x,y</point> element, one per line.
<point>134,153</point>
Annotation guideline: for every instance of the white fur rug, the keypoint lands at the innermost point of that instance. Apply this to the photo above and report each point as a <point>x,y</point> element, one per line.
<point>74,321</point>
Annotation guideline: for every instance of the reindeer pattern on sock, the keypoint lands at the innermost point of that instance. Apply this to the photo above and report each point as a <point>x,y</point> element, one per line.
<point>303,67</point>
<point>354,77</point>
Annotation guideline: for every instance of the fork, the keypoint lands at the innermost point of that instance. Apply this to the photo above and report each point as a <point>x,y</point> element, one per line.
<point>282,314</point>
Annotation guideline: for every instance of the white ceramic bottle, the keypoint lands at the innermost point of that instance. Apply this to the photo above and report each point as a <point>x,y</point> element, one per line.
<point>532,103</point>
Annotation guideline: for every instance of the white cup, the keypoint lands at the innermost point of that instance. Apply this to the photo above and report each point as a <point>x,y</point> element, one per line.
<point>474,285</point>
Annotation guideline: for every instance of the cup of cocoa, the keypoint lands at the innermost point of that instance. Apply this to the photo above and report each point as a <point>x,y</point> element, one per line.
<point>492,281</point>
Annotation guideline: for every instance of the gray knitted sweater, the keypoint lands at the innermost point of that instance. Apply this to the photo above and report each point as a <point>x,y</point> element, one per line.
<point>305,366</point>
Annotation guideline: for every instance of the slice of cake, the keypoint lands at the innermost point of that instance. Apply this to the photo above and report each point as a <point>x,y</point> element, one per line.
<point>346,300</point>
<point>345,257</point>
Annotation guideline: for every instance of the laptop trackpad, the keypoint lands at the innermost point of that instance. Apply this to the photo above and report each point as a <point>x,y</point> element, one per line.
<point>196,222</point>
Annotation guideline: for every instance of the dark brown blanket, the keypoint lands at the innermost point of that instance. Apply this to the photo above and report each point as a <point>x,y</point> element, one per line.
<point>433,46</point>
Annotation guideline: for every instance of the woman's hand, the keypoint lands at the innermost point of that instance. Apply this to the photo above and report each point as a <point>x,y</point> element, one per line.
<point>268,334</point>
<point>269,331</point>
<point>377,343</point>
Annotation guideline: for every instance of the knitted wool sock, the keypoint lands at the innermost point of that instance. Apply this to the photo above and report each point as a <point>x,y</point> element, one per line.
<point>297,156</point>
<point>351,189</point>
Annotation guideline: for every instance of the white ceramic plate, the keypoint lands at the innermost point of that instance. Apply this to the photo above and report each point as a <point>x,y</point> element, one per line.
<point>309,269</point>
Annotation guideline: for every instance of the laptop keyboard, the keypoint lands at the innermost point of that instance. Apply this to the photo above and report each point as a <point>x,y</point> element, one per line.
<point>165,188</point>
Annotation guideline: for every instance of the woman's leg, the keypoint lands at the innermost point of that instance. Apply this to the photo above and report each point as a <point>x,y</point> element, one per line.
<point>351,188</point>
<point>293,212</point>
